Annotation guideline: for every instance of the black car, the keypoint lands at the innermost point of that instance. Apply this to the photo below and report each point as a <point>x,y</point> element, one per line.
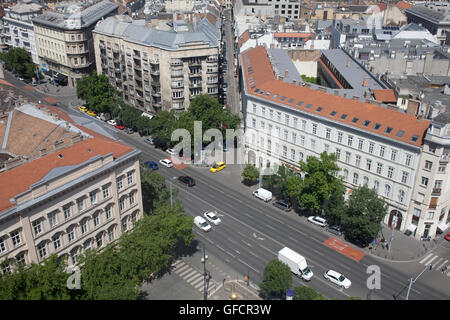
<point>187,180</point>
<point>335,230</point>
<point>282,205</point>
<point>358,241</point>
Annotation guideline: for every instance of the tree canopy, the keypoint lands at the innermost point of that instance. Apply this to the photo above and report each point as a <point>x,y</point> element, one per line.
<point>277,279</point>
<point>96,90</point>
<point>19,61</point>
<point>307,293</point>
<point>250,174</point>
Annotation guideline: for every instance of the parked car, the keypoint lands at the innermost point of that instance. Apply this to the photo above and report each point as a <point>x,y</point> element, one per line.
<point>447,237</point>
<point>358,241</point>
<point>338,279</point>
<point>92,113</point>
<point>187,180</point>
<point>282,205</point>
<point>212,217</point>
<point>111,122</point>
<point>335,230</point>
<point>218,167</point>
<point>166,163</point>
<point>317,220</point>
<point>151,164</point>
<point>129,131</point>
<point>119,127</point>
<point>263,194</point>
<point>172,152</point>
<point>83,108</point>
<point>202,223</point>
<point>149,140</point>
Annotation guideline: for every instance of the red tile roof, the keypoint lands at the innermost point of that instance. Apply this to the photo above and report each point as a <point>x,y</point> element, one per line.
<point>243,38</point>
<point>382,6</point>
<point>403,5</point>
<point>386,95</point>
<point>263,78</point>
<point>293,35</point>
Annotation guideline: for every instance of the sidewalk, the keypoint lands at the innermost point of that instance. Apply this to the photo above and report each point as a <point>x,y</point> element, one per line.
<point>236,290</point>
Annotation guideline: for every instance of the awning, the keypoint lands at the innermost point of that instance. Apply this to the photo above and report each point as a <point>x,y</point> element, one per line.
<point>442,226</point>
<point>412,228</point>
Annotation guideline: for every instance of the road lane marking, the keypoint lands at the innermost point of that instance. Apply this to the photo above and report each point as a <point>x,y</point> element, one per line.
<point>426,258</point>
<point>195,276</point>
<point>430,261</point>
<point>296,230</point>
<point>188,275</point>
<point>437,262</point>
<point>272,252</point>
<point>257,271</point>
<point>226,251</point>
<point>443,264</point>
<point>318,252</point>
<point>295,240</point>
<point>179,270</point>
<point>248,244</point>
<point>270,227</point>
<point>253,254</point>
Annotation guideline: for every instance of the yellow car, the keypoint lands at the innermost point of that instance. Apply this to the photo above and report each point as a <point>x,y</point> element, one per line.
<point>83,108</point>
<point>91,113</point>
<point>218,166</point>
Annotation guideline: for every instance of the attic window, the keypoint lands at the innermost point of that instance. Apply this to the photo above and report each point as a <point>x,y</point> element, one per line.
<point>319,109</point>
<point>414,138</point>
<point>283,98</point>
<point>400,133</point>
<point>256,90</point>
<point>377,126</point>
<point>267,93</point>
<point>333,113</point>
<point>366,123</point>
<point>60,156</point>
<point>261,91</point>
<point>344,116</point>
<point>388,130</point>
<point>355,120</point>
<point>275,96</point>
<point>291,100</point>
<point>308,106</point>
<point>299,103</point>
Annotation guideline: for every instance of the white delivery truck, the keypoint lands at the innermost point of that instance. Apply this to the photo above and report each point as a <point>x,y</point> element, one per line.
<point>296,262</point>
<point>263,194</point>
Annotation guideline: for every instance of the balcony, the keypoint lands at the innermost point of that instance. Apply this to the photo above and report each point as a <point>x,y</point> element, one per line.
<point>156,104</point>
<point>176,63</point>
<point>154,72</point>
<point>436,192</point>
<point>212,59</point>
<point>137,67</point>
<point>156,94</point>
<point>212,71</point>
<point>195,85</point>
<point>176,75</point>
<point>215,81</point>
<point>156,84</point>
<point>195,75</point>
<point>116,49</point>
<point>176,86</point>
<point>195,63</point>
<point>178,98</point>
<point>154,61</point>
<point>137,76</point>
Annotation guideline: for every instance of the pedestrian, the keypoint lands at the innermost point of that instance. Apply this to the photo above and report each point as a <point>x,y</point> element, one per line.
<point>444,268</point>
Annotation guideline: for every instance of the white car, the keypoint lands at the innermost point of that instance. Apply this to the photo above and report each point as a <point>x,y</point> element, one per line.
<point>317,220</point>
<point>166,163</point>
<point>212,217</point>
<point>338,279</point>
<point>172,152</point>
<point>111,122</point>
<point>202,224</point>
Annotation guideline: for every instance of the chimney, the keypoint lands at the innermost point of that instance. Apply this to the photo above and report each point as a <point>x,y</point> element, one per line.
<point>272,46</point>
<point>355,98</point>
<point>345,95</point>
<point>336,92</point>
<point>286,73</point>
<point>366,82</point>
<point>43,151</point>
<point>77,137</point>
<point>348,63</point>
<point>58,143</point>
<point>321,89</point>
<point>13,162</point>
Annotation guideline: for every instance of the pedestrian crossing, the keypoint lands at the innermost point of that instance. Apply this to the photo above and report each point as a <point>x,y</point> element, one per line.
<point>192,276</point>
<point>437,263</point>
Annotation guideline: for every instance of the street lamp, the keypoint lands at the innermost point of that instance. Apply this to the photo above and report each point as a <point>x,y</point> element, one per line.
<point>205,257</point>
<point>411,282</point>
<point>171,200</point>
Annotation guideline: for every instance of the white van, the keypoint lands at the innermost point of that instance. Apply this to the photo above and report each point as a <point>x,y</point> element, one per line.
<point>296,262</point>
<point>263,194</point>
<point>202,223</point>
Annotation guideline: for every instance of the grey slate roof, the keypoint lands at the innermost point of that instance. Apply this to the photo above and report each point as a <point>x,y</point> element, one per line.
<point>169,40</point>
<point>282,62</point>
<point>88,16</point>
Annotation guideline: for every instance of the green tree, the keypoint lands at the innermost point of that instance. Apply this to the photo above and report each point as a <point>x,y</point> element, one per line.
<point>307,293</point>
<point>335,208</point>
<point>319,182</point>
<point>364,213</point>
<point>154,189</point>
<point>19,61</point>
<point>162,126</point>
<point>130,116</point>
<point>250,174</point>
<point>277,279</point>
<point>97,92</point>
<point>314,80</point>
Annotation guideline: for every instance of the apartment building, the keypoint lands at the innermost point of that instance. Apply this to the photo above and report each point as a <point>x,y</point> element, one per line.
<point>375,146</point>
<point>64,38</point>
<point>155,69</point>
<point>18,26</point>
<point>73,196</point>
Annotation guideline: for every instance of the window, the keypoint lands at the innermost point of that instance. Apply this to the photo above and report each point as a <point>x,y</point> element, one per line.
<point>340,135</point>
<point>300,156</point>
<point>368,164</point>
<point>263,112</point>
<point>286,135</point>
<point>441,169</point>
<point>37,227</point>
<point>119,183</point>
<point>355,178</point>
<point>394,155</point>
<point>408,160</point>
<point>87,244</point>
<point>295,122</point>
<point>71,234</point>
<point>80,204</point>
<point>263,125</point>
<point>314,128</point>
<point>278,130</point>
<point>124,224</point>
<point>302,140</point>
<point>345,174</point>
<point>405,177</point>
<point>284,151</point>
<point>382,151</point>
<point>294,137</point>
<point>279,116</point>
<point>428,165</point>
<point>292,154</point>
<point>83,227</point>
<point>93,197</point>
<point>254,108</point>
<point>286,119</point>
<point>338,154</point>
<point>313,144</point>
<point>327,148</point>
<point>99,239</point>
<point>108,212</point>
<point>347,157</point>
<point>424,181</point>
<point>360,144</point>
<point>269,128</point>
<point>430,215</point>
<point>57,241</point>
<point>15,237</point>
<point>376,186</point>
<point>52,219</point>
<point>66,210</point>
<point>366,181</point>
<point>438,184</point>
<point>401,196</point>
<point>261,142</point>
<point>417,212</point>
<point>379,168</point>
<point>271,115</point>
<point>21,258</point>
<point>130,177</point>
<point>2,245</point>
<point>111,234</point>
<point>357,160</point>
<point>132,198</point>
<point>42,250</point>
<point>105,191</point>
<point>350,141</point>
<point>371,147</point>
<point>96,219</point>
<point>387,191</point>
<point>390,172</point>
<point>304,125</point>
<point>328,133</point>
<point>74,255</point>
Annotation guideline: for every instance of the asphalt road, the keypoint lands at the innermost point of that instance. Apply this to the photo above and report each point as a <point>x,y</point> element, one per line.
<point>253,232</point>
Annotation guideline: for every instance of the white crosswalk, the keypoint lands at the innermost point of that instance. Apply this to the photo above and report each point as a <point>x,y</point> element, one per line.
<point>192,276</point>
<point>437,263</point>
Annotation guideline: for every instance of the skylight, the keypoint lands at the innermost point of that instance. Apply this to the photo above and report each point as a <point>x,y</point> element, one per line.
<point>283,98</point>
<point>267,93</point>
<point>388,130</point>
<point>377,126</point>
<point>333,113</point>
<point>400,133</point>
<point>308,106</point>
<point>366,123</point>
<point>355,120</point>
<point>275,96</point>
<point>344,116</point>
<point>299,103</point>
<point>291,100</point>
<point>319,109</point>
<point>414,138</point>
